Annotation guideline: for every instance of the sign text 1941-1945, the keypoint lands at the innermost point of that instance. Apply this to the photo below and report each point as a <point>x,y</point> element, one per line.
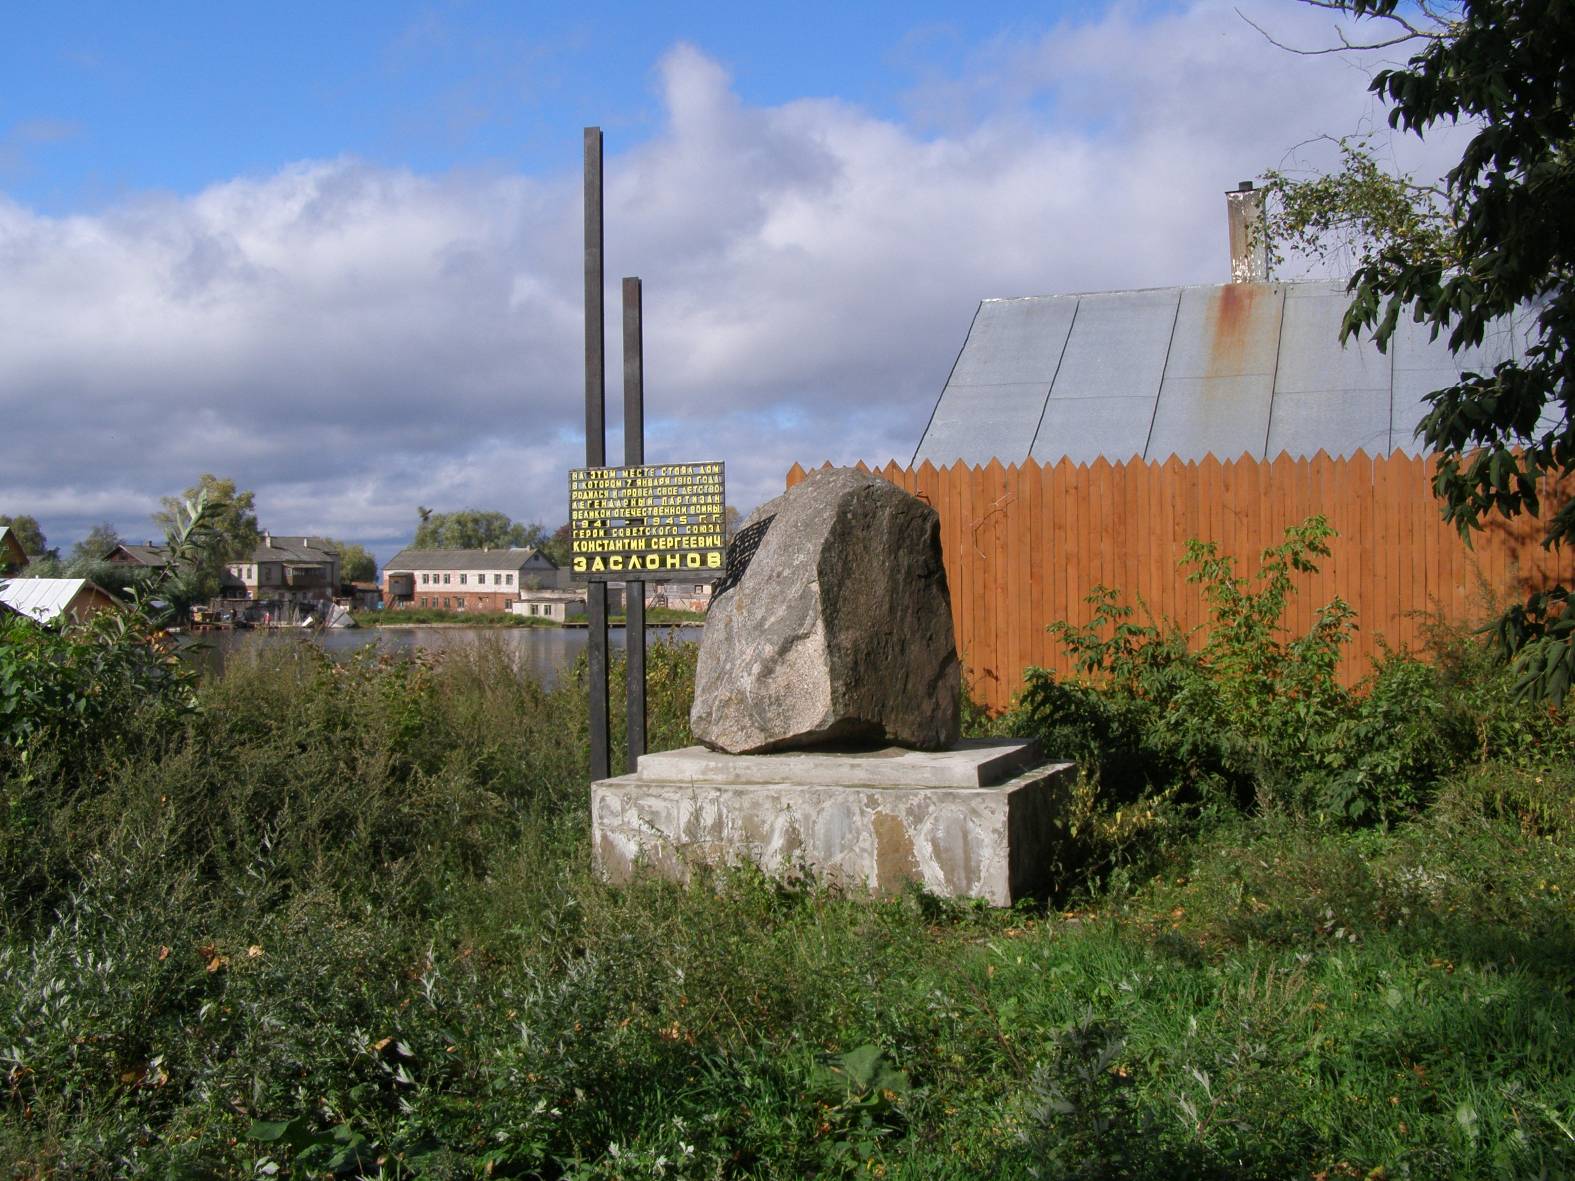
<point>651,523</point>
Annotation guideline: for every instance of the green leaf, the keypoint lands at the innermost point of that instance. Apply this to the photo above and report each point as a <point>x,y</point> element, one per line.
<point>1466,1117</point>
<point>294,1132</point>
<point>860,1065</point>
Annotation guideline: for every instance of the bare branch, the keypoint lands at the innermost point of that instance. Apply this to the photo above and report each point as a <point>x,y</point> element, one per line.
<point>1428,10</point>
<point>1410,32</point>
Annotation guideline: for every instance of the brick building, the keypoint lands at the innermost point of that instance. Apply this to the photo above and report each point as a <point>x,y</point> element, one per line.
<point>464,579</point>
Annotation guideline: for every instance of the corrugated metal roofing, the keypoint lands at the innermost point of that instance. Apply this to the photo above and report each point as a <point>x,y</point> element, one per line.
<point>1251,369</point>
<point>40,598</point>
<point>464,559</point>
<point>147,555</point>
<point>311,551</point>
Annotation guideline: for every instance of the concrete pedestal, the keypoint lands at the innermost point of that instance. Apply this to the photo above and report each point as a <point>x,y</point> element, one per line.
<point>974,821</point>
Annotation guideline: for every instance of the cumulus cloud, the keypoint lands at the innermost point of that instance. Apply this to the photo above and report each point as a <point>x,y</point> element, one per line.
<point>351,341</point>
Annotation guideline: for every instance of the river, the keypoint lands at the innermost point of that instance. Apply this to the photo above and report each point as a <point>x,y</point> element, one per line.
<point>543,650</point>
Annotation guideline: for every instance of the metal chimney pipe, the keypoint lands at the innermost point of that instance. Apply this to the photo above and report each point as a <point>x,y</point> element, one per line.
<point>1249,254</point>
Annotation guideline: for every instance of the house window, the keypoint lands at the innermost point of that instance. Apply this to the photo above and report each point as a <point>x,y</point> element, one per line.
<point>445,600</point>
<point>461,580</point>
<point>445,580</point>
<point>508,579</point>
<point>460,601</point>
<point>497,580</point>
<point>425,579</point>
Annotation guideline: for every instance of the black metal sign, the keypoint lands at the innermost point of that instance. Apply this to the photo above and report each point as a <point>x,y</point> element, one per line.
<point>655,522</point>
<point>740,553</point>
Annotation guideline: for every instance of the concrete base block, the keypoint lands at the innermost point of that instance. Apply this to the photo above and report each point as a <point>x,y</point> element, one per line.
<point>973,822</point>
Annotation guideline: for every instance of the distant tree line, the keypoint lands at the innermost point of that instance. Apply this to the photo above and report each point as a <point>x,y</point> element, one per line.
<point>231,524</point>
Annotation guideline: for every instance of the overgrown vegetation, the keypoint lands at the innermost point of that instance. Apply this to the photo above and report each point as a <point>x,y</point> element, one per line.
<point>1487,247</point>
<point>1240,717</point>
<point>336,918</point>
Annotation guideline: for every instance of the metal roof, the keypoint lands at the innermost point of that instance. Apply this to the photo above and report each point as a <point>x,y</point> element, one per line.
<point>145,555</point>
<point>466,559</point>
<point>1252,369</point>
<point>312,551</point>
<point>43,598</point>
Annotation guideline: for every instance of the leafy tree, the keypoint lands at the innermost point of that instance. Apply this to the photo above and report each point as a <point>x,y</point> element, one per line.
<point>101,539</point>
<point>472,529</point>
<point>196,544</point>
<point>69,689</point>
<point>355,563</point>
<point>1340,218</point>
<point>29,533</point>
<point>1496,240</point>
<point>234,517</point>
<point>227,531</point>
<point>557,547</point>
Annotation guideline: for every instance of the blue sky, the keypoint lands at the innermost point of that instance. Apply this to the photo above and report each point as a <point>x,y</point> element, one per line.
<point>332,251</point>
<point>103,101</point>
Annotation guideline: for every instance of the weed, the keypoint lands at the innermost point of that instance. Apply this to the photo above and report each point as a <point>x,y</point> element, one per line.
<point>339,917</point>
<point>1241,715</point>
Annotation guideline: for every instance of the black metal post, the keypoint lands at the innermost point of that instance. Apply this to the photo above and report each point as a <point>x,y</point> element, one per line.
<point>633,456</point>
<point>596,442</point>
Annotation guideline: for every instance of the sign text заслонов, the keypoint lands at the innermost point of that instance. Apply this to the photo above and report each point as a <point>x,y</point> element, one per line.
<point>656,522</point>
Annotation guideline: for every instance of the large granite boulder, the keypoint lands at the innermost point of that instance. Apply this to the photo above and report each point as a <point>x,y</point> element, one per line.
<point>840,629</point>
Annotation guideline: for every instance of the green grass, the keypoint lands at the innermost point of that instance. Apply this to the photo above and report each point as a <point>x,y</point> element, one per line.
<point>341,920</point>
<point>665,615</point>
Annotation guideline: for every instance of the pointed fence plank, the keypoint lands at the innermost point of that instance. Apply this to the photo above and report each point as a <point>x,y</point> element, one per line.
<point>1025,543</point>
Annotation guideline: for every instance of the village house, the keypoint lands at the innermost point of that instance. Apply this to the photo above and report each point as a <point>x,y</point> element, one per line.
<point>1250,368</point>
<point>680,596</point>
<point>1082,439</point>
<point>465,579</point>
<point>285,569</point>
<point>148,555</point>
<point>48,599</point>
<point>12,556</point>
<point>560,606</point>
<point>361,596</point>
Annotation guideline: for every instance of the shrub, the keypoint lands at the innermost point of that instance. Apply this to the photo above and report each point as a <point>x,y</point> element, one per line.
<point>68,688</point>
<point>1243,715</point>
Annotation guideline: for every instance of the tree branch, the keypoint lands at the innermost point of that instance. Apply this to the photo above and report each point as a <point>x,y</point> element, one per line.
<point>1410,31</point>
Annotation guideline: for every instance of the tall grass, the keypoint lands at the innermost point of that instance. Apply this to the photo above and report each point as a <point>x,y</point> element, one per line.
<point>339,919</point>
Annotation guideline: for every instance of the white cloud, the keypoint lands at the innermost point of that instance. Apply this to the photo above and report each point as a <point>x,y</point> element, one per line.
<point>352,341</point>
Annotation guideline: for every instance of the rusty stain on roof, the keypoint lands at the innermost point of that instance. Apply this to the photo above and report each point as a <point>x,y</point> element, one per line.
<point>1187,372</point>
<point>1229,319</point>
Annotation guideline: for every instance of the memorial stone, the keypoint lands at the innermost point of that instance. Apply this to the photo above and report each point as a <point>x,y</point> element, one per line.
<point>837,630</point>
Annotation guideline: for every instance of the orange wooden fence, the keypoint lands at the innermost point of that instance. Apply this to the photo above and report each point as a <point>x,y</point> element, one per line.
<point>1025,544</point>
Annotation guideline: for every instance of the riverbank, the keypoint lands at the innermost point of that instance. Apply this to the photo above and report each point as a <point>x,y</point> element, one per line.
<point>655,617</point>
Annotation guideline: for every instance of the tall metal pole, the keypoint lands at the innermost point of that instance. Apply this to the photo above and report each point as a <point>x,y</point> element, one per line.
<point>596,441</point>
<point>633,456</point>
